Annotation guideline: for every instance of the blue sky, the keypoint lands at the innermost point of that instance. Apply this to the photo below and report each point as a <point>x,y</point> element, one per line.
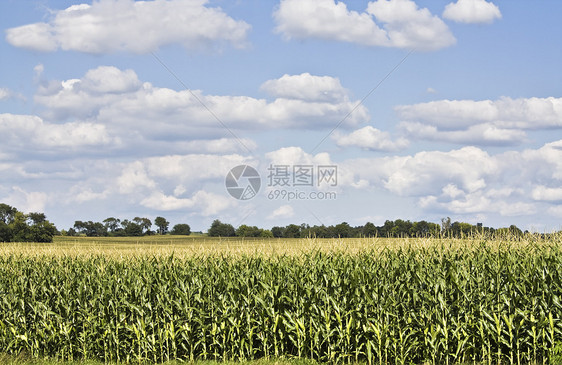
<point>120,109</point>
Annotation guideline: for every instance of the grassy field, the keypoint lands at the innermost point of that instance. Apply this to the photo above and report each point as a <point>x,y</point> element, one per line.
<point>373,300</point>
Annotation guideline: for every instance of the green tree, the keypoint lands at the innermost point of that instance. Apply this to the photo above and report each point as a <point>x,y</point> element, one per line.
<point>7,213</point>
<point>32,227</point>
<point>292,231</point>
<point>445,225</point>
<point>162,225</point>
<point>369,230</point>
<point>181,229</point>
<point>343,230</point>
<point>277,232</point>
<point>90,229</point>
<point>219,229</point>
<point>112,224</point>
<point>248,231</point>
<point>145,223</point>
<point>131,228</point>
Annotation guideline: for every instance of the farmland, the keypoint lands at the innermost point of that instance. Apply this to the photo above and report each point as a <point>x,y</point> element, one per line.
<point>374,300</point>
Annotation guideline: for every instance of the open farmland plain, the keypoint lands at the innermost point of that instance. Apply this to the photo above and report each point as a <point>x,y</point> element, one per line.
<point>374,300</point>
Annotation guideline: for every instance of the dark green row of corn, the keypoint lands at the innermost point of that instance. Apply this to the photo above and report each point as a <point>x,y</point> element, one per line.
<point>434,305</point>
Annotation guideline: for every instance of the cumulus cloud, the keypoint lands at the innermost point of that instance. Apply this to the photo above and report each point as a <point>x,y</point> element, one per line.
<point>467,180</point>
<point>6,94</point>
<point>27,201</point>
<point>207,203</point>
<point>306,87</point>
<point>132,26</point>
<point>541,192</point>
<point>404,25</point>
<point>472,11</point>
<point>28,132</point>
<point>484,122</point>
<point>370,138</point>
<point>119,100</point>
<point>284,211</point>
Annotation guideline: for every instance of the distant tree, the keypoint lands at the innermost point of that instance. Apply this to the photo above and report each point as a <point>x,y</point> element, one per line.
<point>112,224</point>
<point>181,229</point>
<point>386,229</point>
<point>219,229</point>
<point>266,233</point>
<point>7,213</point>
<point>277,232</point>
<point>145,223</point>
<point>343,230</point>
<point>90,229</point>
<point>131,228</point>
<point>461,229</point>
<point>6,234</point>
<point>162,225</point>
<point>514,230</point>
<point>369,230</point>
<point>292,231</point>
<point>36,218</point>
<point>445,225</point>
<point>249,231</point>
<point>33,227</point>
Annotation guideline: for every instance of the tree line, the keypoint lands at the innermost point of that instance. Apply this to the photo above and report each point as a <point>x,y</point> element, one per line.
<point>114,227</point>
<point>396,228</point>
<point>16,226</point>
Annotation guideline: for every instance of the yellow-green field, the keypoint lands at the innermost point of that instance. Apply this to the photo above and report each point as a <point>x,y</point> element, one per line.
<point>185,246</point>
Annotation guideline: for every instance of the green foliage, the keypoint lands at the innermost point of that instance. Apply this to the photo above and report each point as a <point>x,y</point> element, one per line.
<point>90,229</point>
<point>162,225</point>
<point>435,305</point>
<point>131,229</point>
<point>219,229</point>
<point>19,227</point>
<point>181,229</point>
<point>249,231</point>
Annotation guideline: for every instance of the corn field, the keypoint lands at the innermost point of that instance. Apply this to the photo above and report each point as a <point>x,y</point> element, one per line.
<point>428,305</point>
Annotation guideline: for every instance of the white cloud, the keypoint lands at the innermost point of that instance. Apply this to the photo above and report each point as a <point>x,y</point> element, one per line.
<point>134,178</point>
<point>484,122</point>
<point>547,194</point>
<point>108,79</point>
<point>27,201</point>
<point>28,132</point>
<point>120,101</point>
<point>206,203</point>
<point>306,87</point>
<point>125,25</point>
<point>528,113</point>
<point>404,24</point>
<point>480,134</point>
<point>467,168</point>
<point>472,11</point>
<point>219,146</point>
<point>431,90</point>
<point>370,138</point>
<point>5,93</point>
<point>296,156</point>
<point>468,180</point>
<point>284,211</point>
